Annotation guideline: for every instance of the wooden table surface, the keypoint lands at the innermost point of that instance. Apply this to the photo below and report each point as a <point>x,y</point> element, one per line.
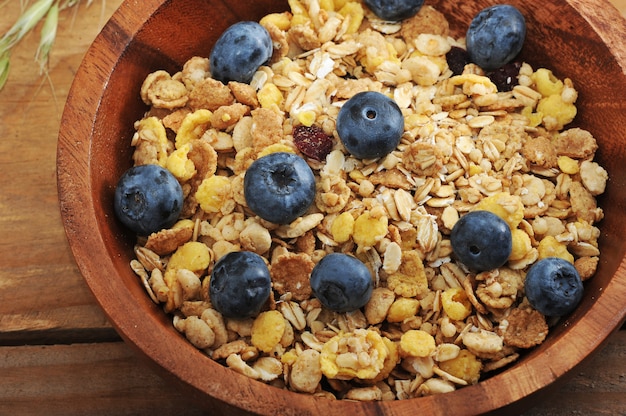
<point>58,353</point>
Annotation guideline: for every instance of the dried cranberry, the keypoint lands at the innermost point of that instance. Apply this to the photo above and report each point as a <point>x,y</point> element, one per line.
<point>457,58</point>
<point>312,141</point>
<point>506,77</point>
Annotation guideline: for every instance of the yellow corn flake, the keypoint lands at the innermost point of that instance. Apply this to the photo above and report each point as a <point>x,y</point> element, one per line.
<point>549,246</point>
<point>328,5</point>
<point>213,192</point>
<point>534,119</point>
<point>456,304</point>
<point>506,206</point>
<point>403,308</point>
<point>297,7</point>
<point>193,127</point>
<point>417,343</point>
<point>568,165</point>
<point>275,148</point>
<point>359,354</point>
<point>521,244</point>
<point>356,175</point>
<point>269,96</point>
<point>410,280</point>
<point>414,120</point>
<point>474,84</point>
<point>340,3</point>
<point>464,366</point>
<point>556,112</point>
<point>289,357</point>
<point>186,223</point>
<point>300,19</point>
<point>546,83</point>
<point>267,330</point>
<point>307,118</point>
<point>475,170</point>
<point>152,129</point>
<point>179,164</point>
<point>280,20</point>
<point>392,359</point>
<point>354,11</point>
<point>369,230</point>
<point>193,255</point>
<point>342,227</point>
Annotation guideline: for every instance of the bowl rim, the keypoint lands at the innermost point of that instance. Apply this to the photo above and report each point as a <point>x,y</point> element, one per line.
<point>76,205</point>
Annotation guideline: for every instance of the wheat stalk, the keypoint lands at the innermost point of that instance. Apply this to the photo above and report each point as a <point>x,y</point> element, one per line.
<point>48,9</point>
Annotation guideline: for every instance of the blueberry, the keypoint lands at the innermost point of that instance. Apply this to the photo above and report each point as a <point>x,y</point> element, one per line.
<point>553,286</point>
<point>481,240</point>
<point>370,125</point>
<point>394,10</point>
<point>279,187</point>
<point>240,51</point>
<point>341,282</point>
<point>495,36</point>
<point>240,284</point>
<point>147,199</point>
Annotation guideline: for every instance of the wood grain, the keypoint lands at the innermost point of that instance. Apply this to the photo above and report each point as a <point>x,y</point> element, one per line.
<point>58,352</point>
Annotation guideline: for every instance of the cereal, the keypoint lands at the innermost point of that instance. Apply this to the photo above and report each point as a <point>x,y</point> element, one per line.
<point>431,325</point>
<point>267,330</point>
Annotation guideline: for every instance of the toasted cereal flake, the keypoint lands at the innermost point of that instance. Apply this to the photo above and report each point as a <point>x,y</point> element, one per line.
<point>378,306</point>
<point>306,372</point>
<point>267,330</point>
<point>465,366</point>
<point>213,192</point>
<point>593,176</point>
<point>194,256</point>
<point>368,230</point>
<point>151,144</point>
<point>270,96</point>
<point>568,165</point>
<point>410,279</point>
<point>342,227</point>
<point>526,328</point>
<point>417,343</point>
<point>179,164</point>
<point>506,206</point>
<point>546,83</point>
<point>549,246</point>
<point>359,354</point>
<point>402,308</point>
<point>456,304</point>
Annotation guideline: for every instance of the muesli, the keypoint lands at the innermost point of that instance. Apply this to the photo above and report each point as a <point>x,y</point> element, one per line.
<point>431,325</point>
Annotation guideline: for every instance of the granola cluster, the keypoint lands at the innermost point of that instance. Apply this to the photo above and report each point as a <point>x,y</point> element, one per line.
<point>431,326</point>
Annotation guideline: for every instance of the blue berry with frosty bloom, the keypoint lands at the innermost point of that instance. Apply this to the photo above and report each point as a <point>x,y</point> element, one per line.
<point>481,240</point>
<point>553,286</point>
<point>342,283</point>
<point>240,51</point>
<point>394,10</point>
<point>147,199</point>
<point>495,36</point>
<point>279,187</point>
<point>240,284</point>
<point>370,125</point>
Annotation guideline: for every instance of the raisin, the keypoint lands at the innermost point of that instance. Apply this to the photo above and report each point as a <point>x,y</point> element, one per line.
<point>457,58</point>
<point>506,77</point>
<point>312,141</point>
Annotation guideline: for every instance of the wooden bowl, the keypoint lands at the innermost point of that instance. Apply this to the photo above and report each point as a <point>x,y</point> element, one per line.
<point>580,39</point>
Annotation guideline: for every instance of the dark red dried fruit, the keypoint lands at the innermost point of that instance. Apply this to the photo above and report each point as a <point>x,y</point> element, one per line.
<point>506,77</point>
<point>457,58</point>
<point>312,141</point>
